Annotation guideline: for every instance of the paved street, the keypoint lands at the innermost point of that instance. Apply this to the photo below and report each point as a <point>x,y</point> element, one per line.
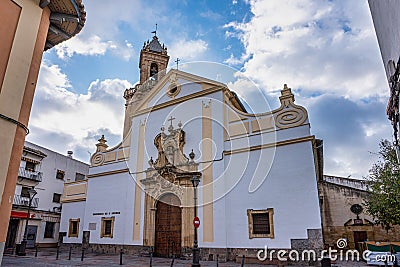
<point>47,257</point>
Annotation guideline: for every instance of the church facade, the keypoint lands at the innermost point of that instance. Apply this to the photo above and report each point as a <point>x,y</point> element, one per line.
<point>257,173</point>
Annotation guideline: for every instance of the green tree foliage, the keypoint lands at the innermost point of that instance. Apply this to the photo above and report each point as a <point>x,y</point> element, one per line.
<point>383,203</point>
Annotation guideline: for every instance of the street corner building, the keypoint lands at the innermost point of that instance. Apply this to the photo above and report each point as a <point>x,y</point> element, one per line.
<point>258,173</point>
<point>36,217</point>
<point>27,28</point>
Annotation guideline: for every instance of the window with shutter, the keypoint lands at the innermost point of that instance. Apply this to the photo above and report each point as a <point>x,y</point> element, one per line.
<point>261,223</point>
<point>107,227</point>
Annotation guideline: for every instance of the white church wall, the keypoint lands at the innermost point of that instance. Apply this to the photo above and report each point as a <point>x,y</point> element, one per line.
<point>267,137</point>
<point>110,196</point>
<point>108,167</point>
<point>187,88</point>
<point>189,113</point>
<point>72,210</point>
<point>290,189</point>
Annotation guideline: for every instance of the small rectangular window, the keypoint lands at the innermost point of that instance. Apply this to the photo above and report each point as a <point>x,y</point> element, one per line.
<point>73,229</point>
<point>49,230</point>
<point>60,174</point>
<point>30,166</point>
<point>79,176</point>
<point>25,192</point>
<point>107,227</point>
<point>261,223</point>
<point>56,198</point>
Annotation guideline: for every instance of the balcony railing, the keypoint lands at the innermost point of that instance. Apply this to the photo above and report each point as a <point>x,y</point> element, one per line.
<point>31,175</point>
<point>24,201</point>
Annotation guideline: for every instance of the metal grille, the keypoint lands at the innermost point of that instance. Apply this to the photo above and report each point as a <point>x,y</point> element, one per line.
<point>261,223</point>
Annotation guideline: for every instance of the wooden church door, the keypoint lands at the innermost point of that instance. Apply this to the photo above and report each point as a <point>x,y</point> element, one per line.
<point>168,227</point>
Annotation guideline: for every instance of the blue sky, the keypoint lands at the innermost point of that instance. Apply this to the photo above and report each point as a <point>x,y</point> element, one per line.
<point>326,51</point>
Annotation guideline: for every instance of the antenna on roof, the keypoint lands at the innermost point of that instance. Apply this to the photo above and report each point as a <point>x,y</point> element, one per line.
<point>155,32</point>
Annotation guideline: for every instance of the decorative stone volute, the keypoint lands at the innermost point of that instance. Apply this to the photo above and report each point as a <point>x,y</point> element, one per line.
<point>101,145</point>
<point>289,114</point>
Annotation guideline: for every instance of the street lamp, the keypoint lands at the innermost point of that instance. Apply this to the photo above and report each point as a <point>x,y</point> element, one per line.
<point>195,182</point>
<point>32,193</point>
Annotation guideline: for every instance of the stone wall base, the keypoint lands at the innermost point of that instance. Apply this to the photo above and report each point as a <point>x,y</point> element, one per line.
<point>206,254</point>
<point>313,242</point>
<point>46,245</point>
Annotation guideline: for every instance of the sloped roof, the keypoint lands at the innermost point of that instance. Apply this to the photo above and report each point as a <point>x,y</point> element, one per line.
<point>67,19</point>
<point>155,45</point>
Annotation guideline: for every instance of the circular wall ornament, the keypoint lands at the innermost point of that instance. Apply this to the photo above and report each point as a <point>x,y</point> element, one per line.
<point>356,209</point>
<point>173,90</point>
<point>98,159</point>
<point>290,118</point>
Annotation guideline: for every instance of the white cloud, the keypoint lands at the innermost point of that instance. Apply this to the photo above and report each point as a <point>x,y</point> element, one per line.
<point>188,49</point>
<point>93,46</point>
<point>232,60</point>
<point>313,45</point>
<point>329,55</point>
<point>211,15</point>
<point>60,111</point>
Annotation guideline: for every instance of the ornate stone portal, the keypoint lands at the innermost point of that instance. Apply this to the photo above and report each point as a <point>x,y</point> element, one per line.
<point>168,181</point>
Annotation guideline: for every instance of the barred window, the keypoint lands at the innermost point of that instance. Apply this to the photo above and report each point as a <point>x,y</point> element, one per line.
<point>261,223</point>
<point>107,227</point>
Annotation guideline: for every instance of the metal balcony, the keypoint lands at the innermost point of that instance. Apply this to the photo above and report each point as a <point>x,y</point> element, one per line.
<point>31,175</point>
<point>24,201</point>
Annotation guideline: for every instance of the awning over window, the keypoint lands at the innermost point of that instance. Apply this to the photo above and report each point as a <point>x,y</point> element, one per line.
<point>18,214</point>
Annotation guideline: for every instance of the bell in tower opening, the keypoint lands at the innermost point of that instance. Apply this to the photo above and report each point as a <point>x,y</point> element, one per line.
<point>153,71</point>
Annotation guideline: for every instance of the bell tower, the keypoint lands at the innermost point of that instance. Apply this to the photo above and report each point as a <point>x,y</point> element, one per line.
<point>153,59</point>
<point>153,63</point>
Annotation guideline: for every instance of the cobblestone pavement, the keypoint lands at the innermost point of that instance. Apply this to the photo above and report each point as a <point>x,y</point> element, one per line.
<point>47,257</point>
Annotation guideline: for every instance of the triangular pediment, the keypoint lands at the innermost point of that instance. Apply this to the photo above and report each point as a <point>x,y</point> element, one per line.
<point>174,85</point>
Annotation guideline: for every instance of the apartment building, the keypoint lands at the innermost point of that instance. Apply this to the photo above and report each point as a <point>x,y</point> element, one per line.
<point>40,184</point>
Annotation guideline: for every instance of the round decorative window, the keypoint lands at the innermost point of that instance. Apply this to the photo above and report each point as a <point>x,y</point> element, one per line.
<point>173,90</point>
